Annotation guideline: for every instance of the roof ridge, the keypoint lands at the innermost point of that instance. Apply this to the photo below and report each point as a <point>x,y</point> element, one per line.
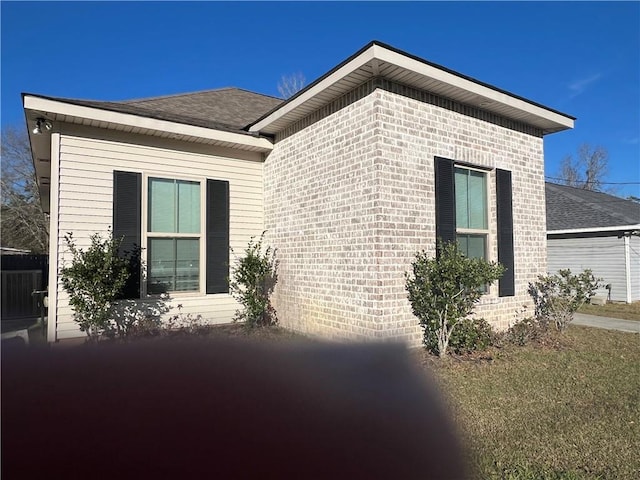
<point>258,93</point>
<point>592,192</point>
<point>172,95</point>
<point>579,188</point>
<point>184,94</point>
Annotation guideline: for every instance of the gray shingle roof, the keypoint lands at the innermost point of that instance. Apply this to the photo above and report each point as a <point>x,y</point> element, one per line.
<point>228,109</point>
<point>573,208</point>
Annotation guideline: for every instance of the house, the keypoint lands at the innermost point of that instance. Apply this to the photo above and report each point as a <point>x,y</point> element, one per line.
<point>594,230</point>
<point>350,178</point>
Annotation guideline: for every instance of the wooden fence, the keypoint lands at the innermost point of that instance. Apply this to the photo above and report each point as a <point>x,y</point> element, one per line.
<point>21,276</point>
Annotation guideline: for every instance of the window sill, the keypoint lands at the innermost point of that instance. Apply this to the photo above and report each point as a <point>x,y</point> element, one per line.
<point>174,295</point>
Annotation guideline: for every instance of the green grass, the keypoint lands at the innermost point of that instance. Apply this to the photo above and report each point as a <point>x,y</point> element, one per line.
<point>571,411</point>
<point>626,311</point>
<point>566,410</point>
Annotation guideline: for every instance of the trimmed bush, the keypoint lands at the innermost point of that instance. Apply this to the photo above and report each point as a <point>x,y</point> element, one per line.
<point>443,291</point>
<point>524,332</point>
<point>558,297</point>
<point>94,281</point>
<point>471,335</point>
<point>253,280</point>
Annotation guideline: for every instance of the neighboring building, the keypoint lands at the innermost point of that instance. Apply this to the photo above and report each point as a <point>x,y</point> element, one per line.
<point>350,178</point>
<point>593,230</point>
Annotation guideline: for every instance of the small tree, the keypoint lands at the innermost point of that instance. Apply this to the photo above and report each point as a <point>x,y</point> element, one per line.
<point>94,281</point>
<point>252,283</point>
<point>443,290</point>
<point>558,297</point>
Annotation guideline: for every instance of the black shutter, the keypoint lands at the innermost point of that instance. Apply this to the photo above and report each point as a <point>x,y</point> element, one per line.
<point>217,236</point>
<point>127,205</point>
<point>445,200</point>
<point>506,285</point>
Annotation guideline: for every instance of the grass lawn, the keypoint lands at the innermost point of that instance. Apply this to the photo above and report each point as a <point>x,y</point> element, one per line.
<point>626,311</point>
<point>567,411</point>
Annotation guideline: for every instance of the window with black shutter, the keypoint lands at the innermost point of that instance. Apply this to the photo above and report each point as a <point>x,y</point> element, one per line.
<point>217,236</point>
<point>462,214</point>
<point>127,195</point>
<point>187,250</point>
<point>506,285</point>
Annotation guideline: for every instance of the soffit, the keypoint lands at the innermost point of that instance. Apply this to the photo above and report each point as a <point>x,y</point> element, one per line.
<point>381,60</point>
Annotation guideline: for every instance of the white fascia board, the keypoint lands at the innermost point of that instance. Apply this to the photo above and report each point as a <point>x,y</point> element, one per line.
<point>595,229</point>
<point>381,53</point>
<point>54,188</point>
<point>464,84</point>
<point>90,113</point>
<point>342,72</point>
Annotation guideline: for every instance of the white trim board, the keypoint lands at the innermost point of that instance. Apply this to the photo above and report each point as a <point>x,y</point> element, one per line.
<point>377,53</point>
<point>594,229</point>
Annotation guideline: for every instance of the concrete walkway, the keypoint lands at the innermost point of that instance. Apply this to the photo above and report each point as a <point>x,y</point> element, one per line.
<point>607,322</point>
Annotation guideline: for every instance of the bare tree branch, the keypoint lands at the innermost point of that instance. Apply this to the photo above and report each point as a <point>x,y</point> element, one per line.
<point>289,85</point>
<point>22,222</point>
<point>588,171</point>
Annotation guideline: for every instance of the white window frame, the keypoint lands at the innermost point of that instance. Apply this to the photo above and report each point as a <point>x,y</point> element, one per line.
<point>145,234</point>
<point>477,231</point>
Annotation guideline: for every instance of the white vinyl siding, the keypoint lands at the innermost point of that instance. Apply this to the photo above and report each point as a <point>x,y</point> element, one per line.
<point>603,255</point>
<point>634,260</point>
<point>86,204</point>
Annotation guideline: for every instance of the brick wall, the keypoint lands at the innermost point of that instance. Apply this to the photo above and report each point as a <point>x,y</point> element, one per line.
<point>349,199</point>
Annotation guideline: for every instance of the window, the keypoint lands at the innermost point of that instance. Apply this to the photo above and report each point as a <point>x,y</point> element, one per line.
<point>462,214</point>
<point>472,231</point>
<point>174,234</point>
<point>186,233</point>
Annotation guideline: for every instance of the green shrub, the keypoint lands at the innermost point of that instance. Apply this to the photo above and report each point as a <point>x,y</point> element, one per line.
<point>524,332</point>
<point>94,281</point>
<point>471,335</point>
<point>253,280</point>
<point>141,318</point>
<point>444,290</point>
<point>558,297</point>
<point>185,322</point>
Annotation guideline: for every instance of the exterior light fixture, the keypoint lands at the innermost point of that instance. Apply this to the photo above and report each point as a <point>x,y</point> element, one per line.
<point>42,122</point>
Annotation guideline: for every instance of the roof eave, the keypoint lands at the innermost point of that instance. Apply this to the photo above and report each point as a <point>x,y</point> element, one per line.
<point>40,149</point>
<point>60,112</point>
<point>615,228</point>
<point>57,110</point>
<point>366,62</point>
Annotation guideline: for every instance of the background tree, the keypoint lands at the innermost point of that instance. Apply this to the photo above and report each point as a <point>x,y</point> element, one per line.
<point>289,85</point>
<point>588,170</point>
<point>22,222</point>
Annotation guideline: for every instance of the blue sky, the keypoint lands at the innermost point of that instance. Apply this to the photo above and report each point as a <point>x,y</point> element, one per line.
<point>580,58</point>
